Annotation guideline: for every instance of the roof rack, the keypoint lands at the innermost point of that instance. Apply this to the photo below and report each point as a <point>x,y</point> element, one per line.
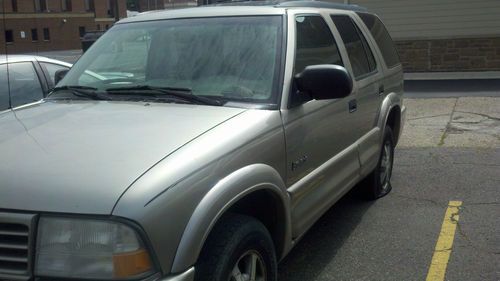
<point>321,4</point>
<point>290,3</point>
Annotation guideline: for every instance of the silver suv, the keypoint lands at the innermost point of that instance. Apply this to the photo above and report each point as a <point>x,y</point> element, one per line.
<point>198,144</point>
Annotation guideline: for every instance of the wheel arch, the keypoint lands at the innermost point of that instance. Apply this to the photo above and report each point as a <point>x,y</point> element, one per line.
<point>239,192</point>
<point>391,115</point>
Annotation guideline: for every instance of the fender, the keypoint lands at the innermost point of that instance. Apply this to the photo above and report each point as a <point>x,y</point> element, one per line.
<point>219,199</point>
<point>390,101</point>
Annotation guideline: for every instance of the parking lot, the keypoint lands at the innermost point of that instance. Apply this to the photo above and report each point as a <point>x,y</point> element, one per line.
<point>450,151</point>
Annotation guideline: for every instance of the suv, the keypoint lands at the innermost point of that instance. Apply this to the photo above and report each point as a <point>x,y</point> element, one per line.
<point>222,135</point>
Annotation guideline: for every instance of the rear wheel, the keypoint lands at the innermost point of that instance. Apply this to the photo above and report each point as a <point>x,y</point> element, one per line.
<point>239,248</point>
<point>378,182</point>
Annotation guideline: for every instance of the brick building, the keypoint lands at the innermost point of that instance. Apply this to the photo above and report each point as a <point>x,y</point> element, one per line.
<point>442,35</point>
<point>47,25</point>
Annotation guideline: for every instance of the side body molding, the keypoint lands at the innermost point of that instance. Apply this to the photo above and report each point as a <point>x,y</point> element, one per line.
<point>219,199</point>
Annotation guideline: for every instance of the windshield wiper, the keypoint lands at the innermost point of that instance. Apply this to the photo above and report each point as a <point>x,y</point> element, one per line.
<point>82,91</point>
<point>179,93</point>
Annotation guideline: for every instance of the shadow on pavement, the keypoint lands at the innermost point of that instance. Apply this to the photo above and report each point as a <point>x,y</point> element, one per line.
<point>323,241</point>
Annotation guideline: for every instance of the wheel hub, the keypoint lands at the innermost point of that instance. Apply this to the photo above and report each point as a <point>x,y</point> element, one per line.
<point>250,267</point>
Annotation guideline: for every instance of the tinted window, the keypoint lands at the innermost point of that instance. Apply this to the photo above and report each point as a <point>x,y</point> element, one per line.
<point>81,31</point>
<point>51,69</point>
<point>34,34</point>
<point>315,43</point>
<point>4,90</point>
<point>9,36</point>
<point>383,39</point>
<point>24,84</point>
<point>359,53</point>
<point>46,34</point>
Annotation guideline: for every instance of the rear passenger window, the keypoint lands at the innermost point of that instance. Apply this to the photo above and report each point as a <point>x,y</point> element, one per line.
<point>24,84</point>
<point>383,39</point>
<point>360,54</point>
<point>315,43</point>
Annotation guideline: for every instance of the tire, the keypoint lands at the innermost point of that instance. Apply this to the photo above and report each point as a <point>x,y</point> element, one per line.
<point>235,244</point>
<point>378,183</point>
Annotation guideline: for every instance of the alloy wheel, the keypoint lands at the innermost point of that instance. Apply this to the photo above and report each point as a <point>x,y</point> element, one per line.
<point>249,267</point>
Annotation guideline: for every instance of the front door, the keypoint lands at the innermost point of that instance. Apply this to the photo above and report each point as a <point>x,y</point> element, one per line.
<point>321,154</point>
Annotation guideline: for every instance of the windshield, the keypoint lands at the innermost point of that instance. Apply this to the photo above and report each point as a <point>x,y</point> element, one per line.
<point>229,58</point>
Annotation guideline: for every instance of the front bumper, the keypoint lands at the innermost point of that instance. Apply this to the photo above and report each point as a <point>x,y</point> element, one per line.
<point>187,275</point>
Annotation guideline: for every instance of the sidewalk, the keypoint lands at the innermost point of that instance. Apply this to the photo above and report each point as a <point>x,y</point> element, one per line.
<point>452,122</point>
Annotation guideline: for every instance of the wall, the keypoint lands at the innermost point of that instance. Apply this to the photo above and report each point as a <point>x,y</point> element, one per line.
<point>442,35</point>
<point>468,54</point>
<point>431,19</point>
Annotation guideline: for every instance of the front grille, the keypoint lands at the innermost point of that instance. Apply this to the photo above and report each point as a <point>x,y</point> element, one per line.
<point>15,246</point>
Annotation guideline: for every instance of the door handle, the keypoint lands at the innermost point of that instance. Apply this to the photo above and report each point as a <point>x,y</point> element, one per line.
<point>381,90</point>
<point>353,105</point>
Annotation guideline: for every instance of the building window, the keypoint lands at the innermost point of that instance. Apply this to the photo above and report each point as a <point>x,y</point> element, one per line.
<point>34,34</point>
<point>14,6</point>
<point>81,30</point>
<point>89,6</point>
<point>41,6</point>
<point>9,36</point>
<point>46,34</point>
<point>98,27</point>
<point>66,5</point>
<point>112,8</point>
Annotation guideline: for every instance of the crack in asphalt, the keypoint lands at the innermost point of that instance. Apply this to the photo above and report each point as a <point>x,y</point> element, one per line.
<point>476,164</point>
<point>454,219</point>
<point>464,235</point>
<point>480,114</point>
<point>426,117</point>
<point>422,199</point>
<point>448,125</point>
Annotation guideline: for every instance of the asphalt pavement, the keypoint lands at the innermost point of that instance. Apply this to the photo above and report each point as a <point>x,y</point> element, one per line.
<point>449,151</point>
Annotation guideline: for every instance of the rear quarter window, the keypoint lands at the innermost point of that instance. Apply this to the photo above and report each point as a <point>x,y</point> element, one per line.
<point>383,39</point>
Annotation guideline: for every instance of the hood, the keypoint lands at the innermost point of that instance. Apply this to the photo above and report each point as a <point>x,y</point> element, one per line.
<point>79,157</point>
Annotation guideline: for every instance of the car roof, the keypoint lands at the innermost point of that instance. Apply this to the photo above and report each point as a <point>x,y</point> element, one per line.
<point>239,8</point>
<point>25,58</point>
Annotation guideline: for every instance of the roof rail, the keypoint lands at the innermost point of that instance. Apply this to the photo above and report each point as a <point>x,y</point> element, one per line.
<point>289,3</point>
<point>321,4</point>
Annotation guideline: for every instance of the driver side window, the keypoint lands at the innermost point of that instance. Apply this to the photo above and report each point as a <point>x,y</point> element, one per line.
<point>315,43</point>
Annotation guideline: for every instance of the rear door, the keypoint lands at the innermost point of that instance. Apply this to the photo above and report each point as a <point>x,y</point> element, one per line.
<point>368,88</point>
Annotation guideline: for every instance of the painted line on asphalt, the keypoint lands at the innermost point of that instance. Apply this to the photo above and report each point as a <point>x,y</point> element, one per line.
<point>444,245</point>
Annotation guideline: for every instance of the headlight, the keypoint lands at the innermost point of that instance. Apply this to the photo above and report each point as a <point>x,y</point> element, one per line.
<point>89,249</point>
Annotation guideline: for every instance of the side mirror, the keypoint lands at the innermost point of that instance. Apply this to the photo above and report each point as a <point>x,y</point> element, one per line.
<point>325,81</point>
<point>59,75</point>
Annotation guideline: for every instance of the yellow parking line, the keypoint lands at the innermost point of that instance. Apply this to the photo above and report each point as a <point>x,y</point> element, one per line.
<point>444,244</point>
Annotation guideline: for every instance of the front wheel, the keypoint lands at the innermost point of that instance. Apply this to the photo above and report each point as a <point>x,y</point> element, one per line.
<point>378,182</point>
<point>239,248</point>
